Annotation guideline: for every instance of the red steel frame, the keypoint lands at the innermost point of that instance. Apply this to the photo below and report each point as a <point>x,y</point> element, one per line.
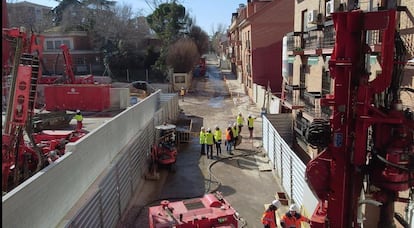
<point>335,174</point>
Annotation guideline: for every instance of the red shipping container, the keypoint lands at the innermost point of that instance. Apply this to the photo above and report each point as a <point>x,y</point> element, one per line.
<point>85,97</point>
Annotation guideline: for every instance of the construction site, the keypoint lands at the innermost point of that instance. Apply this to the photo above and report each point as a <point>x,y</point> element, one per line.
<point>83,151</point>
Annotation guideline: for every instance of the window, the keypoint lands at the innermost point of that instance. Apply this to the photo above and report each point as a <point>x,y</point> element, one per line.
<point>326,82</point>
<point>49,45</point>
<point>66,42</point>
<point>54,44</point>
<point>179,79</point>
<point>57,44</point>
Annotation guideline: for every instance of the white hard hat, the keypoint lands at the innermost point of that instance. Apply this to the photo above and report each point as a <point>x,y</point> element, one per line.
<point>294,207</point>
<point>208,129</point>
<point>52,153</point>
<point>276,203</point>
<point>234,124</point>
<point>202,128</point>
<point>78,110</point>
<point>250,115</point>
<point>239,113</point>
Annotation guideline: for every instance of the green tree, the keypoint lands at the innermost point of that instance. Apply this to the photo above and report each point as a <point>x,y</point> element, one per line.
<point>77,6</point>
<point>58,11</point>
<point>169,22</point>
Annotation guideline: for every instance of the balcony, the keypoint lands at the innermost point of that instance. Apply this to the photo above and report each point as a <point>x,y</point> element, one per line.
<point>314,39</point>
<point>292,97</point>
<point>301,124</point>
<point>321,41</point>
<point>312,99</point>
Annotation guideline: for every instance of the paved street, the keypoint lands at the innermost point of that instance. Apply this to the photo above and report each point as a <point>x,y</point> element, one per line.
<point>214,100</point>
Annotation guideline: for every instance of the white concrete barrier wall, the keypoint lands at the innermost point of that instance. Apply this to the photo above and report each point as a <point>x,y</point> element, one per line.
<point>44,199</point>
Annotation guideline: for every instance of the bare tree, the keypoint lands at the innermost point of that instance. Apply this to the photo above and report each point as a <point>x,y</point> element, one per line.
<point>200,38</point>
<point>217,37</point>
<point>183,55</point>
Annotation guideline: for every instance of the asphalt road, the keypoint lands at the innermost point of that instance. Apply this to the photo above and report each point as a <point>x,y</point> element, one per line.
<point>209,103</point>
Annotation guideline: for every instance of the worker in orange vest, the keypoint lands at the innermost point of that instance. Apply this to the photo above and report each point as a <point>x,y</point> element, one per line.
<point>269,217</point>
<point>292,218</point>
<point>229,140</point>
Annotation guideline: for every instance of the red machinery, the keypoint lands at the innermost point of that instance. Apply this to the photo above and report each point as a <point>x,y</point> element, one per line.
<point>75,93</point>
<point>69,69</point>
<point>164,151</point>
<point>211,210</point>
<point>24,152</point>
<point>371,148</point>
<point>203,67</point>
<point>69,77</point>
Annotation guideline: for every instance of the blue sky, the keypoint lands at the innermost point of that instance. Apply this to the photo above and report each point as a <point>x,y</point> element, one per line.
<point>208,13</point>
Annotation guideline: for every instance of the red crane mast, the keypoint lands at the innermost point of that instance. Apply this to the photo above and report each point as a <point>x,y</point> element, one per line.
<point>371,143</point>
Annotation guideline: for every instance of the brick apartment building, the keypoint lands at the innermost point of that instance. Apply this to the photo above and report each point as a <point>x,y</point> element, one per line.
<point>255,40</point>
<point>309,46</point>
<point>86,59</point>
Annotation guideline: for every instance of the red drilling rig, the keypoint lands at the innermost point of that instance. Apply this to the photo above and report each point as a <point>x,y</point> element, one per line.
<point>24,152</point>
<point>211,210</point>
<point>369,159</point>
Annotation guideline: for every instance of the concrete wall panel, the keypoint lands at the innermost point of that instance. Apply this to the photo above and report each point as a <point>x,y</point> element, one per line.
<point>44,199</point>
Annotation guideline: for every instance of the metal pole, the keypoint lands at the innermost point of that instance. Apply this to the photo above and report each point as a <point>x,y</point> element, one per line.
<point>127,75</point>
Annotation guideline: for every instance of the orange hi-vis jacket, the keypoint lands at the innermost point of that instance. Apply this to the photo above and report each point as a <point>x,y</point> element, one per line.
<point>292,221</point>
<point>228,135</point>
<point>268,218</point>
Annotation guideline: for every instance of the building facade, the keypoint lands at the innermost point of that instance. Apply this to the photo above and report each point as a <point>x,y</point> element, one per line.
<point>86,60</point>
<point>255,36</point>
<point>30,15</point>
<point>306,73</point>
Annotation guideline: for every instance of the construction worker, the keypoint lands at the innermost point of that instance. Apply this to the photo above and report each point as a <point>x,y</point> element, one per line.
<point>52,156</point>
<point>250,124</point>
<point>182,93</point>
<point>203,140</point>
<point>217,140</point>
<point>235,130</point>
<point>240,121</point>
<point>209,142</point>
<point>79,118</point>
<point>269,217</point>
<point>229,140</point>
<point>292,218</point>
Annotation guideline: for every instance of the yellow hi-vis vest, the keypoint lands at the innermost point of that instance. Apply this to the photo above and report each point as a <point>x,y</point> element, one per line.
<point>78,117</point>
<point>209,138</point>
<point>202,137</point>
<point>235,131</point>
<point>250,120</point>
<point>217,135</point>
<point>239,120</point>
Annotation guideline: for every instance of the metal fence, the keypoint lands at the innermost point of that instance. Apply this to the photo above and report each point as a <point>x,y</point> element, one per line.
<point>289,168</point>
